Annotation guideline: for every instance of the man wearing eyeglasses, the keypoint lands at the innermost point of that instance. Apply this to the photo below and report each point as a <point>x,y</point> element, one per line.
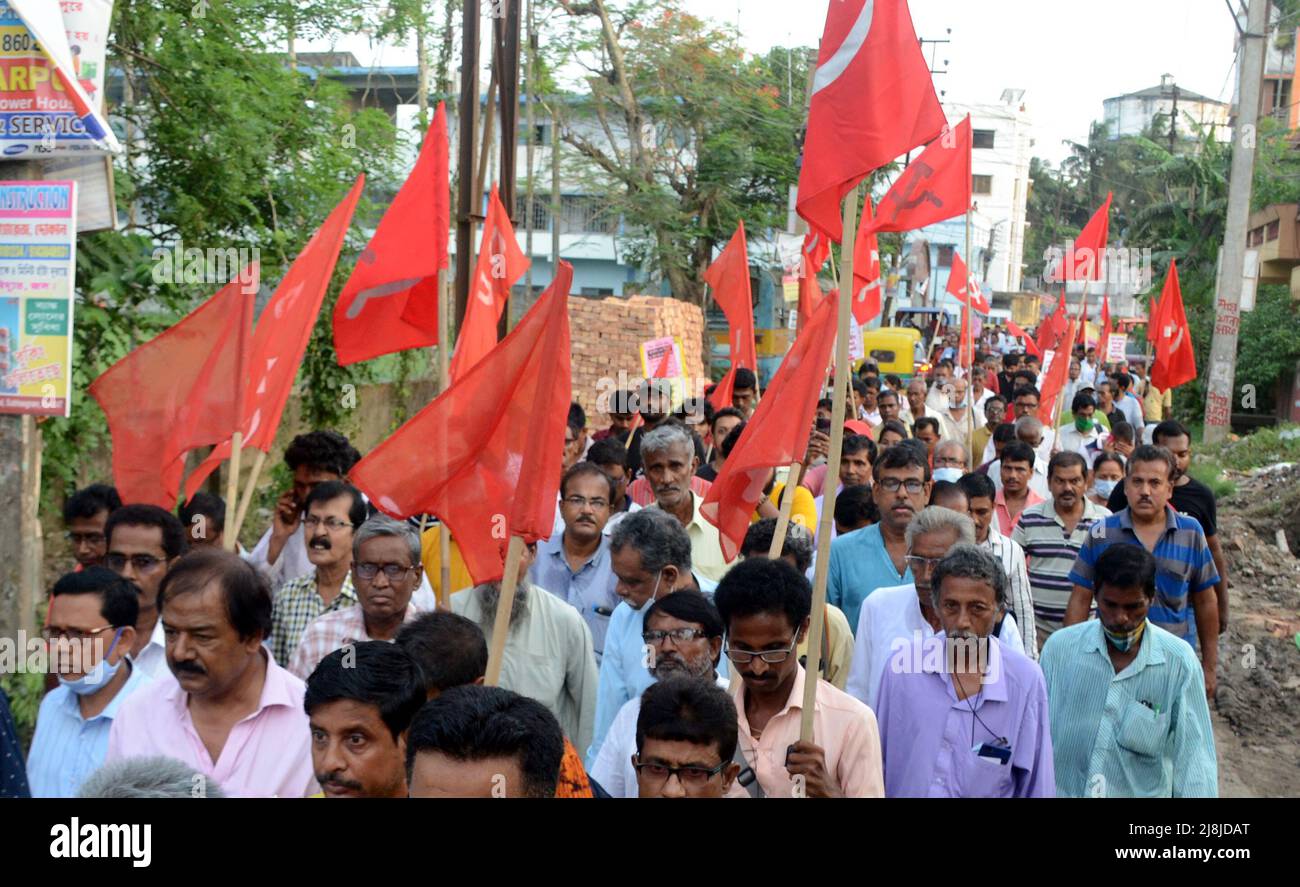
<point>334,511</point>
<point>143,543</point>
<point>85,515</point>
<point>385,573</point>
<point>683,638</point>
<point>893,618</point>
<point>574,564</point>
<point>91,628</point>
<point>685,740</point>
<point>765,606</point>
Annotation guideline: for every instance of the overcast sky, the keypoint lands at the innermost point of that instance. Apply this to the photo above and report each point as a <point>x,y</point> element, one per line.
<point>1067,56</point>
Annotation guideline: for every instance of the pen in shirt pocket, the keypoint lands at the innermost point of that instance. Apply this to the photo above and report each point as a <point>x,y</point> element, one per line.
<point>601,611</point>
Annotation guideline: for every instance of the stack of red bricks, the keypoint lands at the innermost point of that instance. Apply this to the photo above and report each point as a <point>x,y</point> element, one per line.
<point>606,337</point>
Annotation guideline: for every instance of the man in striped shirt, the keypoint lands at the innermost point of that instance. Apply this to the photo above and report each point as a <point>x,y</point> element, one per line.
<point>1185,604</point>
<point>1128,708</point>
<point>980,494</point>
<point>1051,534</point>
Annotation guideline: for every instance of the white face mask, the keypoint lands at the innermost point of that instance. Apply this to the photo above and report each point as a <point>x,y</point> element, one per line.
<point>948,473</point>
<point>98,677</point>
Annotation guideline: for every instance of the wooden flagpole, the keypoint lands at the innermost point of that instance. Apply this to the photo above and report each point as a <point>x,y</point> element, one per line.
<point>246,500</point>
<point>969,346</point>
<point>787,504</point>
<point>818,620</point>
<point>501,626</point>
<point>232,482</point>
<point>444,371</point>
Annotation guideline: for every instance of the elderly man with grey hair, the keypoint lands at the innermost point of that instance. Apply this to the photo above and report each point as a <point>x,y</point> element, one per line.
<point>892,619</point>
<point>386,572</point>
<point>961,715</point>
<point>669,460</point>
<point>650,554</point>
<point>152,777</point>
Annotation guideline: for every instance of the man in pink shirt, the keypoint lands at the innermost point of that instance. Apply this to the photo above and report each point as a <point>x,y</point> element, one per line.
<point>765,607</point>
<point>231,712</point>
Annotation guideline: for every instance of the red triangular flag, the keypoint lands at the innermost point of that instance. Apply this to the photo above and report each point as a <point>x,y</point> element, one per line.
<point>1105,326</point>
<point>872,100</point>
<point>1030,345</point>
<point>721,397</point>
<point>777,433</point>
<point>1053,327</point>
<point>281,337</point>
<point>1055,381</point>
<point>812,256</point>
<point>400,264</point>
<point>729,278</point>
<point>1083,320</point>
<point>1175,360</point>
<point>1084,260</point>
<point>180,390</point>
<point>866,270</point>
<point>500,263</point>
<point>935,186</point>
<point>961,282</point>
<point>485,455</point>
<point>665,368</point>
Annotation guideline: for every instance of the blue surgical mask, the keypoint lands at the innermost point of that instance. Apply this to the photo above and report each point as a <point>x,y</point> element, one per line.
<point>947,473</point>
<point>1105,487</point>
<point>98,677</point>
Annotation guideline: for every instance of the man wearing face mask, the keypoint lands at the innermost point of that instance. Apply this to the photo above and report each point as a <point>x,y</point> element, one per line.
<point>1084,436</point>
<point>684,632</point>
<point>1000,698</point>
<point>954,415</point>
<point>1128,703</point>
<point>650,554</point>
<point>91,629</point>
<point>949,461</point>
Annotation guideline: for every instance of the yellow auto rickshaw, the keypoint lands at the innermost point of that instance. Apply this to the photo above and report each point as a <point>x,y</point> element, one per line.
<point>893,348</point>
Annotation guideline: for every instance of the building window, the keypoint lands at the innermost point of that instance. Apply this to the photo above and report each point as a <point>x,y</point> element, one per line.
<point>982,138</point>
<point>583,214</point>
<point>1274,228</point>
<point>945,255</point>
<point>596,291</point>
<point>541,134</point>
<point>540,218</point>
<point>981,184</point>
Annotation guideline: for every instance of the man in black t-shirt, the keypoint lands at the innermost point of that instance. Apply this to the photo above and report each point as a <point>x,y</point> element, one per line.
<point>1190,497</point>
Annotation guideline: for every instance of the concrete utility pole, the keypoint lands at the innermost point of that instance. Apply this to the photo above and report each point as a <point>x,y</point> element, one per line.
<point>467,203</point>
<point>1227,315</point>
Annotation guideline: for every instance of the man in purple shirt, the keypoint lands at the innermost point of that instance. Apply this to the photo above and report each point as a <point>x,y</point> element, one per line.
<point>962,715</point>
<point>229,711</point>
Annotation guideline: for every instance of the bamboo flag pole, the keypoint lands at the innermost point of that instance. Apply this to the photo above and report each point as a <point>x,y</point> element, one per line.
<point>969,346</point>
<point>787,504</point>
<point>501,626</point>
<point>232,481</point>
<point>444,371</point>
<point>818,624</point>
<point>246,500</point>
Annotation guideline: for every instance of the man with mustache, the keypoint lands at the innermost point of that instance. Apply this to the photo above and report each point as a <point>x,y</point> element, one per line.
<point>765,606</point>
<point>888,404</point>
<point>876,556</point>
<point>385,573</point>
<point>1128,702</point>
<point>670,463</point>
<point>334,511</point>
<point>894,617</point>
<point>574,563</point>
<point>1185,604</point>
<point>359,703</point>
<point>548,654</point>
<point>683,637</point>
<point>144,541</point>
<point>232,713</point>
<point>313,458</point>
<point>963,683</point>
<point>650,554</point>
<point>1051,534</point>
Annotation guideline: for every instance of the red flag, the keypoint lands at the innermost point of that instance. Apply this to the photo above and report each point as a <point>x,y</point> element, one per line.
<point>961,282</point>
<point>1084,260</point>
<point>872,100</point>
<point>180,390</point>
<point>398,270</point>
<point>1175,360</point>
<point>777,433</point>
<point>965,356</point>
<point>1105,326</point>
<point>721,397</point>
<point>729,278</point>
<point>866,270</point>
<point>485,455</point>
<point>935,186</point>
<point>1030,345</point>
<point>812,256</point>
<point>1083,320</point>
<point>500,263</point>
<point>281,337</point>
<point>1052,329</point>
<point>665,368</point>
<point>1054,383</point>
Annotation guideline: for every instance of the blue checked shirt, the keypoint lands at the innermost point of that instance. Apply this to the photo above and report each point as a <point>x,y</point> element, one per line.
<point>1144,732</point>
<point>1183,566</point>
<point>590,590</point>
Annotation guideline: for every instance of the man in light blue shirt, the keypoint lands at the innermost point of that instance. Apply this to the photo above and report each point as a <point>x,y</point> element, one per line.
<point>92,628</point>
<point>574,564</point>
<point>1127,698</point>
<point>871,557</point>
<point>650,555</point>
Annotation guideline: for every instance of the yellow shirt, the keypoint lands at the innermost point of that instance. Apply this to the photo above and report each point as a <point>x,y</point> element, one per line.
<point>1157,404</point>
<point>803,510</point>
<point>838,646</point>
<point>431,557</point>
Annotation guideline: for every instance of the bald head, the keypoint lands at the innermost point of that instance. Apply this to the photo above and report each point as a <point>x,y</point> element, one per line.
<point>1029,429</point>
